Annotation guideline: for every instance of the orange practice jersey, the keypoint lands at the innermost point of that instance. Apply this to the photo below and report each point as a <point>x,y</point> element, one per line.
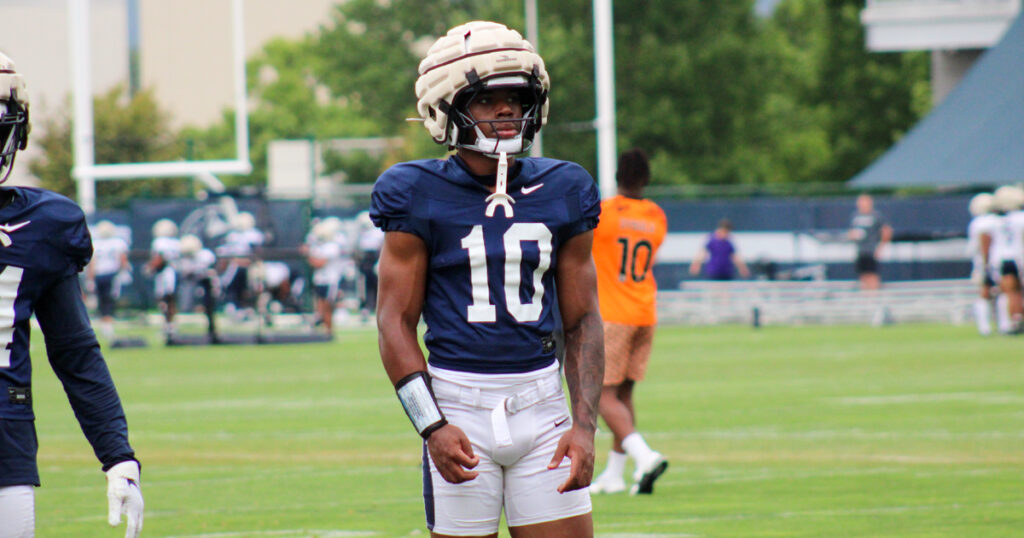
<point>625,243</point>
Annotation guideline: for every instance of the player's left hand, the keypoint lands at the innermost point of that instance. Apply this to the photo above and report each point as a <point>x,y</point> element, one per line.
<point>578,445</point>
<point>124,495</point>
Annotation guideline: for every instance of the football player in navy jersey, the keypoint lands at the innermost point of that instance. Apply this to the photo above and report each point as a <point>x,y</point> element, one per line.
<point>44,244</point>
<point>494,253</point>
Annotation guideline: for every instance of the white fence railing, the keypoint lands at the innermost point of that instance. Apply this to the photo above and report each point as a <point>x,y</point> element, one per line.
<point>816,302</point>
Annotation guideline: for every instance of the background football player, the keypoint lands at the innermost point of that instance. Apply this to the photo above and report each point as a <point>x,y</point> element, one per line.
<point>490,250</point>
<point>44,244</point>
<point>979,243</point>
<point>199,276</point>
<point>164,251</point>
<point>110,259</point>
<point>1006,256</point>
<point>626,242</point>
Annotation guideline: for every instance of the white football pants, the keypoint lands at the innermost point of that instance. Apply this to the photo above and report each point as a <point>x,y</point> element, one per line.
<point>17,512</point>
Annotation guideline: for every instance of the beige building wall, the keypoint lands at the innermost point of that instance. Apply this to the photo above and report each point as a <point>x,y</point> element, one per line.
<point>186,48</point>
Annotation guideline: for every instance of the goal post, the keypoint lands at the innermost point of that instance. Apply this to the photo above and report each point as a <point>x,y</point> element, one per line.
<point>85,170</point>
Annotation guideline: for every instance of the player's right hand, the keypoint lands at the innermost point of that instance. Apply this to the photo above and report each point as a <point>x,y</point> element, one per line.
<point>452,454</point>
<point>124,496</point>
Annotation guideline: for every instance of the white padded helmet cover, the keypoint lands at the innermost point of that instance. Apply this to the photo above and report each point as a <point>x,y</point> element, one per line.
<point>981,204</point>
<point>191,244</point>
<point>490,49</point>
<point>1008,198</point>
<point>165,228</point>
<point>11,82</point>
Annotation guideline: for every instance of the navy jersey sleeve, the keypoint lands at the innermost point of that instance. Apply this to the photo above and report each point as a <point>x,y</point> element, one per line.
<point>391,205</point>
<point>76,359</point>
<point>588,201</point>
<point>70,235</point>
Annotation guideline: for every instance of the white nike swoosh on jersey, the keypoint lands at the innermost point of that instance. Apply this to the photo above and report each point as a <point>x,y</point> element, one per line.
<point>14,227</point>
<point>5,240</point>
<point>528,190</point>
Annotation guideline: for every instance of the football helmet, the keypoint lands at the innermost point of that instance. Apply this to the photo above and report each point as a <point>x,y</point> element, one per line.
<point>1008,198</point>
<point>191,244</point>
<point>327,229</point>
<point>243,221</point>
<point>472,58</point>
<point>980,204</point>
<point>165,228</point>
<point>14,125</point>
<point>105,229</point>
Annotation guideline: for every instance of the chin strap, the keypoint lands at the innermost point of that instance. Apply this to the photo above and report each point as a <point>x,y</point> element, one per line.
<point>500,196</point>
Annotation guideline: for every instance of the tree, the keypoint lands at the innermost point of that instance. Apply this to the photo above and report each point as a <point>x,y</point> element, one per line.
<point>874,98</point>
<point>713,92</point>
<point>352,78</point>
<point>126,130</point>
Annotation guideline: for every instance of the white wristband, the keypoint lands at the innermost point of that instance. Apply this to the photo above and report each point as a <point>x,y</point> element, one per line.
<point>419,403</point>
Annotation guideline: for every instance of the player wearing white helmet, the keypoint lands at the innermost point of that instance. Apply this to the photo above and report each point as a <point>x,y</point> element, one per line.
<point>495,253</point>
<point>196,267</point>
<point>328,254</point>
<point>164,251</point>
<point>44,244</point>
<point>110,259</point>
<point>239,251</point>
<point>979,242</point>
<point>1007,253</point>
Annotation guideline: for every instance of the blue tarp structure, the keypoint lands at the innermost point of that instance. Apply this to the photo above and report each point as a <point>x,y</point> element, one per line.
<point>974,138</point>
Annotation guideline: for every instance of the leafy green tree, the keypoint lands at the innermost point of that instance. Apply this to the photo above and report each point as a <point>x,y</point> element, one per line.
<point>873,97</point>
<point>714,93</point>
<point>352,78</point>
<point>126,130</point>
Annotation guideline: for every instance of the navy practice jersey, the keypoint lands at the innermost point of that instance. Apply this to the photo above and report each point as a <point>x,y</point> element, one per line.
<point>44,243</point>
<point>490,304</point>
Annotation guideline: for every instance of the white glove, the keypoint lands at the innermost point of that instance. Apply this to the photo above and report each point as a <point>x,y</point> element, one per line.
<point>124,495</point>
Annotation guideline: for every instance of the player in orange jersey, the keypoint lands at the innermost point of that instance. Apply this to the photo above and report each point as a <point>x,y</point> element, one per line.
<point>625,243</point>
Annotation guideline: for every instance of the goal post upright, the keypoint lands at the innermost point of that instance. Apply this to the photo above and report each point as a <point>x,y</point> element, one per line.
<point>86,172</point>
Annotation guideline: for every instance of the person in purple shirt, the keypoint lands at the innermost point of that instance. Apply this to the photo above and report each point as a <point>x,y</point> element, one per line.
<point>719,256</point>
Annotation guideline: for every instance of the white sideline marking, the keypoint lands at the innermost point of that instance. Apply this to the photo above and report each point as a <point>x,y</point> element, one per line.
<point>853,433</point>
<point>852,512</point>
<point>293,533</point>
<point>640,535</point>
<point>977,397</point>
<point>262,403</point>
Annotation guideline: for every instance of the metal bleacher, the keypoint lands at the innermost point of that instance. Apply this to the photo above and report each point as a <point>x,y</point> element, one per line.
<point>767,302</point>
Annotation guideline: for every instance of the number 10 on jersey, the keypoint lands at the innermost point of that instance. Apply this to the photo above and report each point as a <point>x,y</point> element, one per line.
<point>482,311</point>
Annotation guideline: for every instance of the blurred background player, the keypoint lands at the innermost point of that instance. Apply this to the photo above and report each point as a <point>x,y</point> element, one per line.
<point>719,257</point>
<point>979,242</point>
<point>109,261</point>
<point>196,267</point>
<point>45,245</point>
<point>871,233</point>
<point>1007,255</point>
<point>164,252</point>
<point>238,252</point>
<point>326,255</point>
<point>278,292</point>
<point>368,247</point>
<point>626,241</point>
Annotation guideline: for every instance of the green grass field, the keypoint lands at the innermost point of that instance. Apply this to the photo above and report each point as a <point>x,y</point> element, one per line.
<point>901,431</point>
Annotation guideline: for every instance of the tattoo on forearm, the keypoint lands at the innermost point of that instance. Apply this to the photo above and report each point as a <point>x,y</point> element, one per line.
<point>584,368</point>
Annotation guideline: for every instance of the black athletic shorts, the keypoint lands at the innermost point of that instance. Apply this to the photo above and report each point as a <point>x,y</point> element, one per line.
<point>866,263</point>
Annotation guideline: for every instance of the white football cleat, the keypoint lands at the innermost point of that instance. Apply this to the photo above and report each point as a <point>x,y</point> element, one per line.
<point>647,473</point>
<point>606,483</point>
